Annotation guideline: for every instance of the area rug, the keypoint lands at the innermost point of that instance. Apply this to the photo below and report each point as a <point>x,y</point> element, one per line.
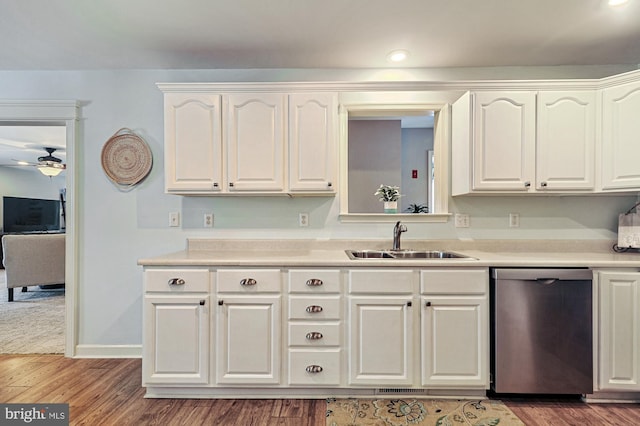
<point>418,412</point>
<point>33,323</point>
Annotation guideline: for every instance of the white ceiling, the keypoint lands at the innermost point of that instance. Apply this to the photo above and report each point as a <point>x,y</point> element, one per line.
<point>27,143</point>
<point>235,34</point>
<point>208,34</point>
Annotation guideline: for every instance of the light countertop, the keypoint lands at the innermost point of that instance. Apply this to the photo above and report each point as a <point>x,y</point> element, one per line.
<point>325,253</point>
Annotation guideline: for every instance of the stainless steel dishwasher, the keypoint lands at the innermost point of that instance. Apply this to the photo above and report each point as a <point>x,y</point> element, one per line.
<point>541,331</point>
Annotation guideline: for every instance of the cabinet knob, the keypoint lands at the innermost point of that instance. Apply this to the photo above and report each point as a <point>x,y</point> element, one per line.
<point>329,184</point>
<point>313,369</point>
<point>427,304</point>
<point>231,184</point>
<point>220,302</point>
<point>527,184</point>
<point>313,282</point>
<point>215,184</point>
<point>202,302</point>
<point>409,304</point>
<point>248,281</point>
<point>543,184</point>
<point>176,281</point>
<point>314,335</point>
<point>314,309</point>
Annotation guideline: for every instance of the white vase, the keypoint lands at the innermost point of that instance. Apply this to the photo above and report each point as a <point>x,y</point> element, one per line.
<point>391,207</point>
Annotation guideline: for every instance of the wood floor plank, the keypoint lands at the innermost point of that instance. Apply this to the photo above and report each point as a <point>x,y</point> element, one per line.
<point>109,392</point>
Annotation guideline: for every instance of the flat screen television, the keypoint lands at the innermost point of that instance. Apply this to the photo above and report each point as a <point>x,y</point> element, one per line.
<point>30,215</point>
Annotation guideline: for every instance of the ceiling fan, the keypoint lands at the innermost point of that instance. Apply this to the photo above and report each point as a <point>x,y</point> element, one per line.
<point>48,165</point>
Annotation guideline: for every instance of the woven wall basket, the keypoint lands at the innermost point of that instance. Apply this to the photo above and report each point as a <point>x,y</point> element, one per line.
<point>126,159</point>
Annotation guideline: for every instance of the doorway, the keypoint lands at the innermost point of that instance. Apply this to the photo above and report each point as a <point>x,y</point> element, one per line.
<point>63,114</point>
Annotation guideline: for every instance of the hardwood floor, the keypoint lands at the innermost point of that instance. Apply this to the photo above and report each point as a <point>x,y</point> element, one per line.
<point>108,392</point>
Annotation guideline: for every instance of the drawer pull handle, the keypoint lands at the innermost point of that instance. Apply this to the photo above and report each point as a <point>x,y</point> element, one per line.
<point>314,369</point>
<point>409,304</point>
<point>314,335</point>
<point>314,282</point>
<point>314,309</point>
<point>220,302</point>
<point>427,304</point>
<point>248,281</point>
<point>177,281</point>
<point>202,302</point>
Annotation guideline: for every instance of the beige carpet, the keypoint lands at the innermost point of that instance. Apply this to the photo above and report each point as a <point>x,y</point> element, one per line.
<point>419,412</point>
<point>33,323</point>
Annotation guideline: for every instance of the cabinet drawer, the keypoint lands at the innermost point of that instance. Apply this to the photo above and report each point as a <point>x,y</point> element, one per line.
<point>451,281</point>
<point>177,280</point>
<point>396,281</point>
<point>314,281</point>
<point>326,365</point>
<point>314,308</point>
<point>314,335</point>
<point>248,280</point>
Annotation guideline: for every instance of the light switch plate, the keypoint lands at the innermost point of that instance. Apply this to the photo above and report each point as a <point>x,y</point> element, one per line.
<point>174,219</point>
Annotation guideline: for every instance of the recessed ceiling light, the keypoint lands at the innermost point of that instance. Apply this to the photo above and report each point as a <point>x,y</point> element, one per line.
<point>617,2</point>
<point>397,56</point>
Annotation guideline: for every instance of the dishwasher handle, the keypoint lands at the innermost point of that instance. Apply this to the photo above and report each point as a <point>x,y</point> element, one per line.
<point>546,281</point>
<point>535,274</point>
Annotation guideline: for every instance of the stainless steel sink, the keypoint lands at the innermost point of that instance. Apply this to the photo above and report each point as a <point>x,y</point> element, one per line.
<point>404,254</point>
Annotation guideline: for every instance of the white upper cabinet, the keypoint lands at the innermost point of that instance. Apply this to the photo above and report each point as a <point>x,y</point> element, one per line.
<point>620,130</point>
<point>247,142</point>
<point>503,140</point>
<point>526,141</point>
<point>312,141</point>
<point>565,148</point>
<point>255,139</point>
<point>193,145</point>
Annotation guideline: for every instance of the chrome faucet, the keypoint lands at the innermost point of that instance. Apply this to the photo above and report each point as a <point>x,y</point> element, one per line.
<point>397,232</point>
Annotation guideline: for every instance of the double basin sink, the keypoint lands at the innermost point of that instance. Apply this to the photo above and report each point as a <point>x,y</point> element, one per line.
<point>404,254</point>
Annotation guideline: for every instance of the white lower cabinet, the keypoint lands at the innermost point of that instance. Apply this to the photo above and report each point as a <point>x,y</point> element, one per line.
<point>619,331</point>
<point>454,328</point>
<point>314,326</point>
<point>248,327</point>
<point>176,327</point>
<point>381,321</point>
<point>255,331</point>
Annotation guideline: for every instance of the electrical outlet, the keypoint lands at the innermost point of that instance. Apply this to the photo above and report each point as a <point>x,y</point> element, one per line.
<point>514,220</point>
<point>462,220</point>
<point>174,219</point>
<point>208,220</point>
<point>303,219</point>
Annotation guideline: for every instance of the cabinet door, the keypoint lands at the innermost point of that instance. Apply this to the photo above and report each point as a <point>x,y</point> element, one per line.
<point>312,141</point>
<point>255,141</point>
<point>193,150</point>
<point>381,335</point>
<point>176,340</point>
<point>620,130</point>
<point>565,145</point>
<point>619,361</point>
<point>248,339</point>
<point>504,140</point>
<point>454,338</point>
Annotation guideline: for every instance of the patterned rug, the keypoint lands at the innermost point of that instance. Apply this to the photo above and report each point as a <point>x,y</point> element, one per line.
<point>419,412</point>
<point>33,323</point>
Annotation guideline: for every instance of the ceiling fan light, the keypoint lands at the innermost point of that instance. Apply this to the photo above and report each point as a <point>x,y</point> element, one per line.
<point>49,170</point>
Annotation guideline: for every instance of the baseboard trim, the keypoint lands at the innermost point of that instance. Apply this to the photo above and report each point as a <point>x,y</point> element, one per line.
<point>108,351</point>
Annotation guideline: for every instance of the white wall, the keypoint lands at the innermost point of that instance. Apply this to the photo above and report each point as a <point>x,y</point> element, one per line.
<point>415,144</point>
<point>117,228</point>
<point>375,158</point>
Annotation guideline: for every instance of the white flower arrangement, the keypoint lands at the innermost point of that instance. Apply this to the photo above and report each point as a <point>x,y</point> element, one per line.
<point>388,193</point>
